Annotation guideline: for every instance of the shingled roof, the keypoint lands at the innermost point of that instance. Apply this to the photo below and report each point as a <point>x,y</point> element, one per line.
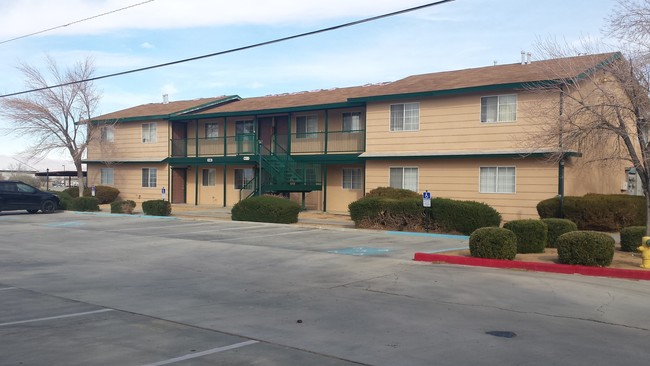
<point>464,80</point>
<point>164,110</point>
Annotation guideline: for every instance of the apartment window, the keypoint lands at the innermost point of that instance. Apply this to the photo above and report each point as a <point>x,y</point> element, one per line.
<point>306,127</point>
<point>149,133</point>
<point>107,133</point>
<point>351,178</point>
<point>209,177</point>
<point>405,178</point>
<point>499,108</point>
<point>106,176</point>
<point>244,127</point>
<point>497,180</point>
<point>405,117</point>
<point>211,130</point>
<point>243,176</point>
<point>352,121</point>
<point>149,177</point>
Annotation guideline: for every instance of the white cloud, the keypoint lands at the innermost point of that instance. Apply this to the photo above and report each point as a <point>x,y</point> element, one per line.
<point>20,17</point>
<point>147,45</point>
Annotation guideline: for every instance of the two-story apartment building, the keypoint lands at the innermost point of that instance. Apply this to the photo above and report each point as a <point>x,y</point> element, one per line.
<point>459,134</point>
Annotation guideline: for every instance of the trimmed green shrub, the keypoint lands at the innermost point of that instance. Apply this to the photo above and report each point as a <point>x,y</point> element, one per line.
<point>84,204</point>
<point>105,194</point>
<point>266,209</point>
<point>631,237</point>
<point>390,192</point>
<point>157,208</point>
<point>126,206</point>
<point>65,201</point>
<point>598,211</point>
<point>557,227</point>
<point>587,248</point>
<point>493,242</point>
<point>462,216</point>
<point>445,215</point>
<point>531,235</point>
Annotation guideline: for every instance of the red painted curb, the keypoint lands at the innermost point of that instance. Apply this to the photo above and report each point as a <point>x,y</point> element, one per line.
<point>535,266</point>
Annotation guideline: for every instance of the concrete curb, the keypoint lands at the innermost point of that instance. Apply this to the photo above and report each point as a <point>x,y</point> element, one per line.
<point>535,266</point>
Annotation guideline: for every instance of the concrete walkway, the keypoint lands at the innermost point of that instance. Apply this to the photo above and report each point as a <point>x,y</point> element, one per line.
<point>215,212</point>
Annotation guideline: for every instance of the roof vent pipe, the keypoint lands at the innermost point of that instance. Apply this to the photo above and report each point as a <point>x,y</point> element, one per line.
<point>528,58</point>
<point>523,57</point>
<point>165,98</point>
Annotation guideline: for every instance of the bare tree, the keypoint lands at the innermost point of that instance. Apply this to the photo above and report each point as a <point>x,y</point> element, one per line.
<point>603,107</point>
<point>53,119</point>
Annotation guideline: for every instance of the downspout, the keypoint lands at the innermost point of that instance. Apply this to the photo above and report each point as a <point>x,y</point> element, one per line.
<point>560,175</point>
<point>325,166</point>
<point>225,155</point>
<point>196,168</point>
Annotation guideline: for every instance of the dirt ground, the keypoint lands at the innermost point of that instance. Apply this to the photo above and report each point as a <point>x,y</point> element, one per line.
<point>621,259</point>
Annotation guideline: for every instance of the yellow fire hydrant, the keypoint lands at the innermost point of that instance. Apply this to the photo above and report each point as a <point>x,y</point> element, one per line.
<point>645,252</point>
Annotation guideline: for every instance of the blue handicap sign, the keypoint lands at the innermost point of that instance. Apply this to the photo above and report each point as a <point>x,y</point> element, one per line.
<point>426,195</point>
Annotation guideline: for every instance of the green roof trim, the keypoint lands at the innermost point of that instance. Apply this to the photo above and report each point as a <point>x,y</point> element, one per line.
<point>470,156</point>
<point>437,93</point>
<point>306,108</point>
<point>125,161</point>
<point>226,99</point>
<point>229,98</point>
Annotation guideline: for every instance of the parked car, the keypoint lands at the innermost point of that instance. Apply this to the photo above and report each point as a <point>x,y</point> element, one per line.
<point>16,195</point>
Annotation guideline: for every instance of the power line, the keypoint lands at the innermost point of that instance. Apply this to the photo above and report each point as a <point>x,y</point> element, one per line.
<point>75,22</point>
<point>232,50</point>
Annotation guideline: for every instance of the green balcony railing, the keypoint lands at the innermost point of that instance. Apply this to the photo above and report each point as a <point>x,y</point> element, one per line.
<point>246,144</point>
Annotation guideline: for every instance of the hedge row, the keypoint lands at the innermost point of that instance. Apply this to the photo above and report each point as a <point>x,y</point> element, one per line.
<point>383,211</point>
<point>104,194</point>
<point>597,211</point>
<point>266,209</point>
<point>120,206</point>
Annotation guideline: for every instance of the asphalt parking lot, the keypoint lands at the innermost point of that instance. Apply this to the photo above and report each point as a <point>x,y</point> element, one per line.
<point>96,289</point>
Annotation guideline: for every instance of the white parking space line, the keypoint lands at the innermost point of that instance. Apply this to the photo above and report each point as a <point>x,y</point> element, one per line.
<point>56,317</point>
<point>7,288</point>
<point>158,227</point>
<point>269,235</point>
<point>213,230</point>
<point>203,353</point>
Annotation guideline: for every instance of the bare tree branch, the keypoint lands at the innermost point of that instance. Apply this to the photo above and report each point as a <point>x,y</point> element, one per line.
<point>52,119</point>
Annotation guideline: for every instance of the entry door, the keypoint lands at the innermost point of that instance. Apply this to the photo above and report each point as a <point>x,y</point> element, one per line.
<point>265,127</point>
<point>179,178</point>
<point>179,139</point>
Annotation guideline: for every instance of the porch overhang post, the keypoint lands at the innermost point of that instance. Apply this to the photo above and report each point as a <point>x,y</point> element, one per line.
<point>325,167</point>
<point>196,185</point>
<point>225,170</point>
<point>326,131</point>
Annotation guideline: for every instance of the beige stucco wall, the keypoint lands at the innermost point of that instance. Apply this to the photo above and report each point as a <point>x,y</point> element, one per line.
<point>451,123</point>
<point>128,179</point>
<point>128,143</point>
<point>459,179</point>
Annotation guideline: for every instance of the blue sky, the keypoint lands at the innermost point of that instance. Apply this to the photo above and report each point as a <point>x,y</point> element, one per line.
<point>456,35</point>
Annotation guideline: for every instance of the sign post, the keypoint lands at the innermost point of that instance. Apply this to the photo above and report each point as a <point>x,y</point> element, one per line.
<point>163,193</point>
<point>93,191</point>
<point>426,203</point>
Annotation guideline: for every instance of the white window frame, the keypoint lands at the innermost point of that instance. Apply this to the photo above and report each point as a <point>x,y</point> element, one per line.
<point>496,178</point>
<point>350,183</point>
<point>310,125</point>
<point>403,168</point>
<point>244,177</point>
<point>107,133</point>
<point>106,176</point>
<point>149,133</point>
<point>352,128</point>
<point>208,128</point>
<point>498,108</point>
<point>392,126</point>
<point>151,173</point>
<point>209,177</point>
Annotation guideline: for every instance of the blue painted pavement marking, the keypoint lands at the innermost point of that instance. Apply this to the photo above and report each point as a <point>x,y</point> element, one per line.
<point>441,236</point>
<point>360,251</point>
<point>65,224</point>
